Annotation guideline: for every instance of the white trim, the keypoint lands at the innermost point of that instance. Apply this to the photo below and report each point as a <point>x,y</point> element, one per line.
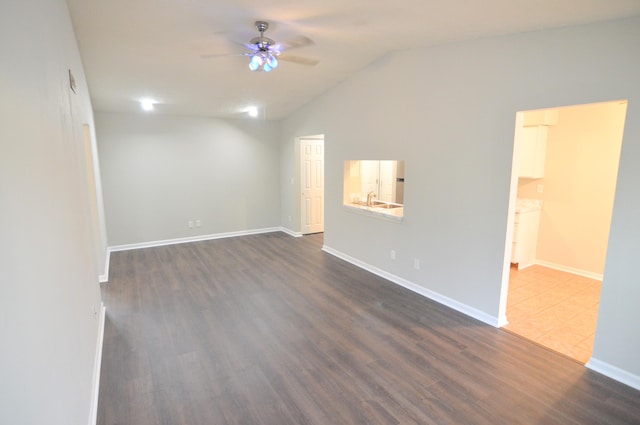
<point>194,239</point>
<point>439,298</point>
<point>291,232</point>
<point>93,408</point>
<point>572,270</point>
<point>104,278</point>
<point>614,372</point>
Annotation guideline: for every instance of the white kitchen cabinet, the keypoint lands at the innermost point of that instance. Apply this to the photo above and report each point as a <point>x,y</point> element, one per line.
<point>533,150</point>
<point>525,238</point>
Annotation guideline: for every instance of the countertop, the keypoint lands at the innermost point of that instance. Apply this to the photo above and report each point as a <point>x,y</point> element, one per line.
<point>394,214</point>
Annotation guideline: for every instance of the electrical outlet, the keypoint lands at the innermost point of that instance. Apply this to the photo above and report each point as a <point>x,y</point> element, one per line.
<point>289,219</point>
<point>540,188</point>
<point>416,264</point>
<point>393,254</point>
<point>190,224</point>
<point>198,223</point>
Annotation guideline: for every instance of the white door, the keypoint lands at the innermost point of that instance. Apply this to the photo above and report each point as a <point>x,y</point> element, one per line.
<point>312,183</point>
<point>370,173</point>
<point>387,181</point>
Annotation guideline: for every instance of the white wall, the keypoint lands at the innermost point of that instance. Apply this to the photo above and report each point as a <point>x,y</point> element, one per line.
<point>449,112</point>
<point>159,172</point>
<point>48,272</point>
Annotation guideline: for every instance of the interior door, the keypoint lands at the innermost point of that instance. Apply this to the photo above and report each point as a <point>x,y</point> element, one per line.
<point>370,173</point>
<point>387,181</point>
<point>312,182</point>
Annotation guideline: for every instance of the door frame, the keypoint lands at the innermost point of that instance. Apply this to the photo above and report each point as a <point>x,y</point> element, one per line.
<point>513,194</point>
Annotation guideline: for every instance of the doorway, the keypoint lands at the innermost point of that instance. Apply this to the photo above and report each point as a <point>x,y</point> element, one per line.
<point>312,184</point>
<point>564,170</point>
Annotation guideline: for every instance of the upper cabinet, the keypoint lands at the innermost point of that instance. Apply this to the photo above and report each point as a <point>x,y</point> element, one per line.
<point>532,142</point>
<point>533,149</point>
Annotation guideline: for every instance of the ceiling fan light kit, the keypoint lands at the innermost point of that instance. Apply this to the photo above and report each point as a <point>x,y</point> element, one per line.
<point>263,60</point>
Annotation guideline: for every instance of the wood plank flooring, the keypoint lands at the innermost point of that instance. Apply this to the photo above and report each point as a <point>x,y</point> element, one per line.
<point>269,330</point>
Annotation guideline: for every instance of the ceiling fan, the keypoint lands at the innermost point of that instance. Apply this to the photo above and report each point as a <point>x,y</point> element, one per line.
<point>265,53</point>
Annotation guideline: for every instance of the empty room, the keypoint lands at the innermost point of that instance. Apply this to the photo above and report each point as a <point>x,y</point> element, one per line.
<point>307,213</point>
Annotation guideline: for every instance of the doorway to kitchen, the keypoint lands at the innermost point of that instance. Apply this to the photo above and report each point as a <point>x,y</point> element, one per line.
<point>565,169</point>
<point>312,184</point>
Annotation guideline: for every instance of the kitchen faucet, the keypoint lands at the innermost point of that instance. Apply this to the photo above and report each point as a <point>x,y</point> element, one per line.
<point>370,197</point>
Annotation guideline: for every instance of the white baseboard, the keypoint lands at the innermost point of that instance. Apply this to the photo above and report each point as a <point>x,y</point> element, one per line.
<point>291,232</point>
<point>103,278</point>
<point>195,239</point>
<point>614,372</point>
<point>572,270</point>
<point>97,364</point>
<point>522,265</point>
<point>439,298</point>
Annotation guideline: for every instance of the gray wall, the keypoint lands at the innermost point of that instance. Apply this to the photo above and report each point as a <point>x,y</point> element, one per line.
<point>159,172</point>
<point>449,112</point>
<point>48,271</point>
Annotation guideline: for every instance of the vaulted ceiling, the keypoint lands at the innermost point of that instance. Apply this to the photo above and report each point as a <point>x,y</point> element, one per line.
<point>154,48</point>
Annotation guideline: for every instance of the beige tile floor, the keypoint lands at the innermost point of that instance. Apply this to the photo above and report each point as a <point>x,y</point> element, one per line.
<point>553,308</point>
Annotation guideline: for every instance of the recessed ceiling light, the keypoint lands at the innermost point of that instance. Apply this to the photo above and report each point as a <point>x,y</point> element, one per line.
<point>147,104</point>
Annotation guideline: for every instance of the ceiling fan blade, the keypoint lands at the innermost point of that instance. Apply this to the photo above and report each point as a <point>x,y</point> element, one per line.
<point>223,55</point>
<point>252,47</point>
<point>298,59</point>
<point>298,42</point>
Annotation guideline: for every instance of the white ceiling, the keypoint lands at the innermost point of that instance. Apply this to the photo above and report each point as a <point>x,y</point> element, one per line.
<point>153,48</point>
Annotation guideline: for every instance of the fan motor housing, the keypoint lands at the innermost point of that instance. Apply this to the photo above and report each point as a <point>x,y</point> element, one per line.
<point>263,43</point>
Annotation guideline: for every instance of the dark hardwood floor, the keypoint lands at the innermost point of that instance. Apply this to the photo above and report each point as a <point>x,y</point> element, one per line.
<point>268,329</point>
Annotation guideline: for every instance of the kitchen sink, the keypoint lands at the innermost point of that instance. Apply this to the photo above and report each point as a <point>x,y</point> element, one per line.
<point>378,204</point>
<point>385,205</point>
